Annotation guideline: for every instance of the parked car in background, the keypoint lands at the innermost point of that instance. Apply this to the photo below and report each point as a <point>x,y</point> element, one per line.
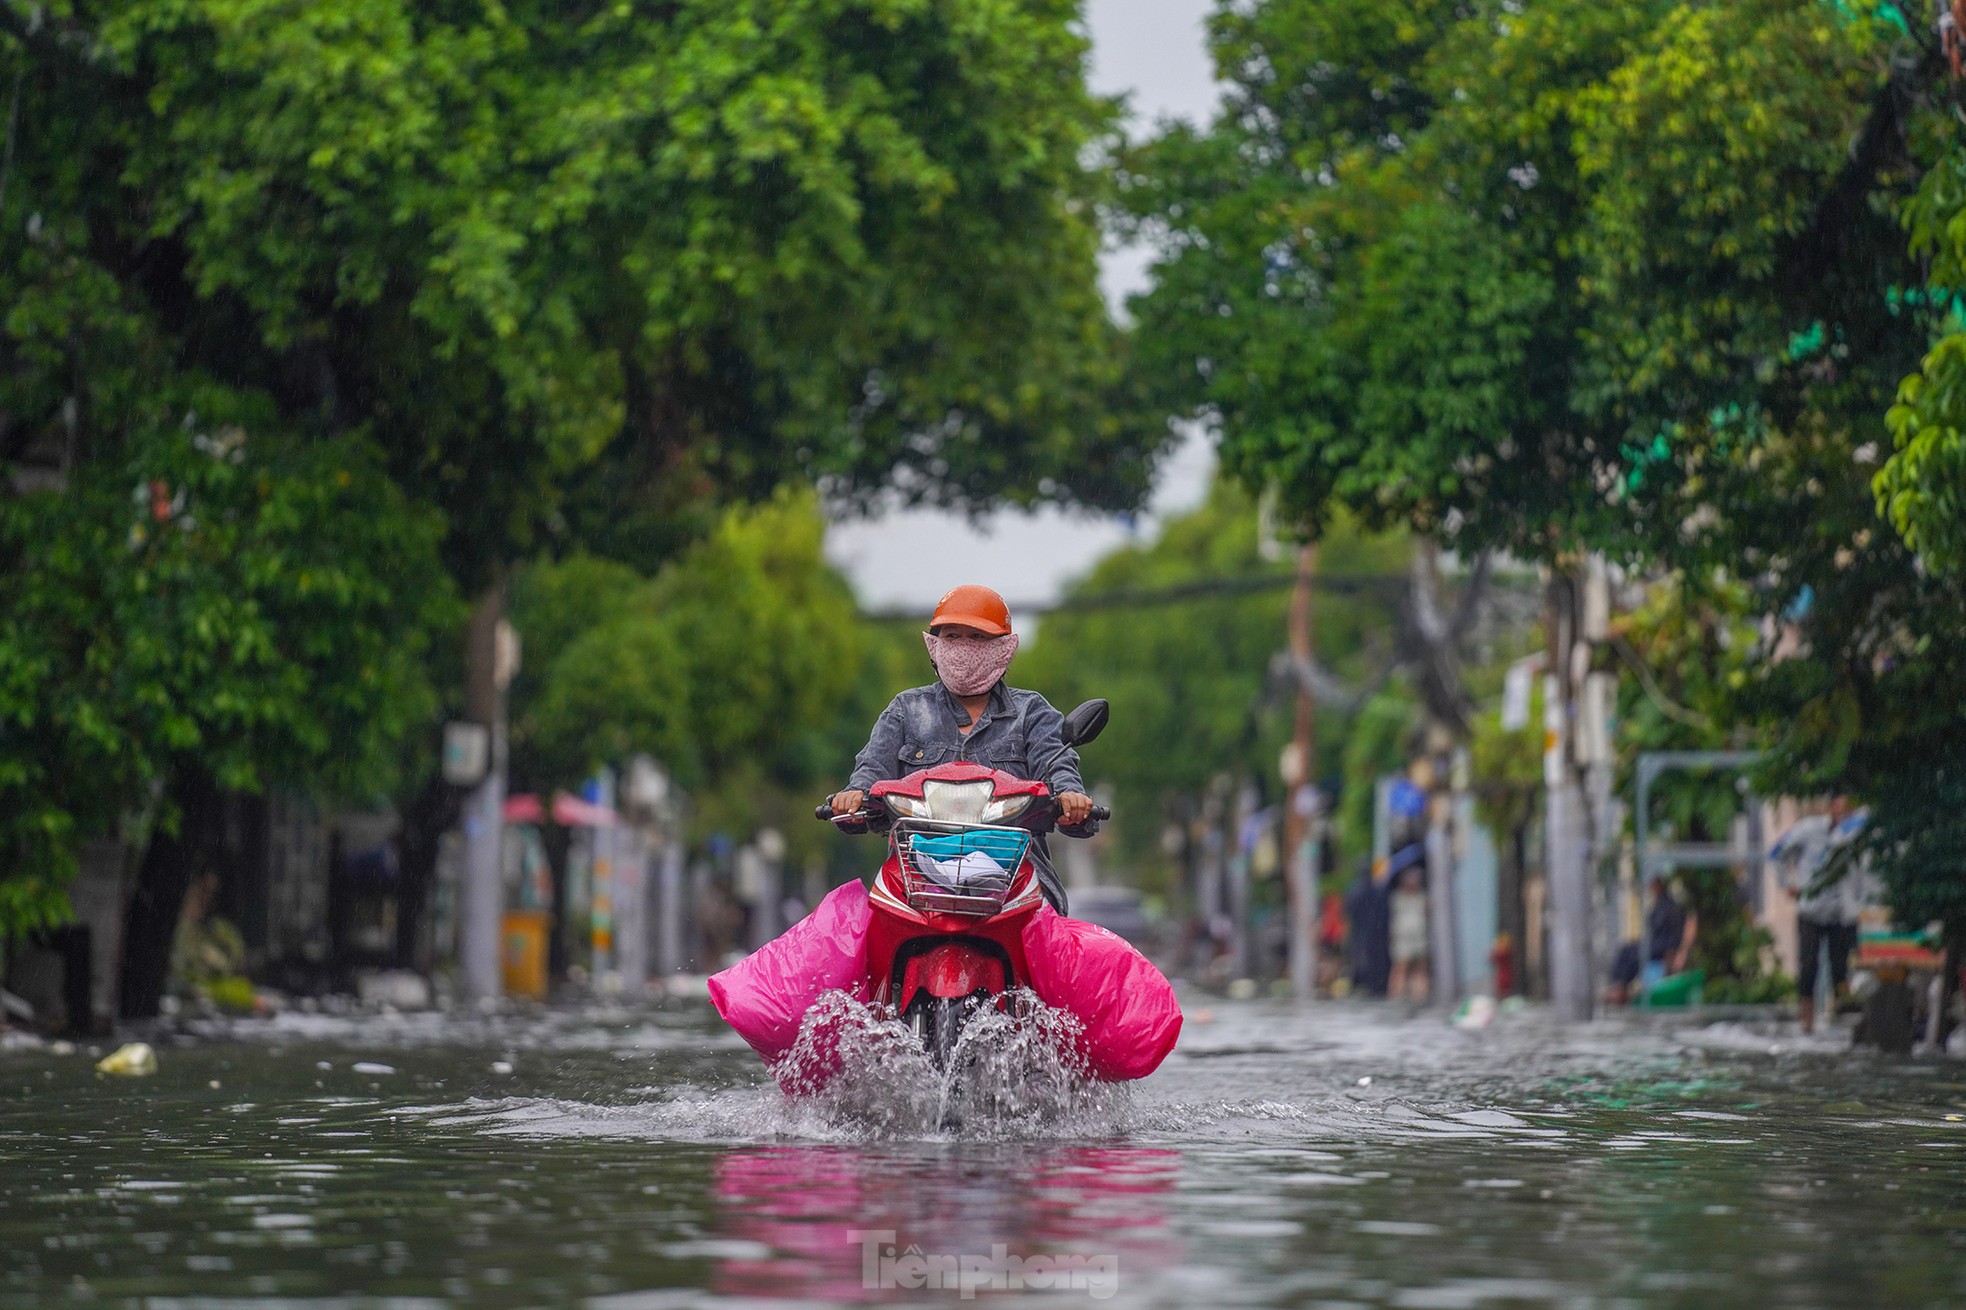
<point>1117,909</point>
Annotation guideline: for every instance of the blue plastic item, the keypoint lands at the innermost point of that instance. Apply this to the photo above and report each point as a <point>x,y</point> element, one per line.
<point>1006,848</point>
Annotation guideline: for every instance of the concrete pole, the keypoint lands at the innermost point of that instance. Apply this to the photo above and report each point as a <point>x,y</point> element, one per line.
<point>1300,807</point>
<point>767,919</point>
<point>1239,914</point>
<point>1241,846</point>
<point>481,898</point>
<point>669,907</point>
<point>1442,937</point>
<point>1567,867</point>
<point>1303,917</point>
<point>700,874</point>
<point>1210,871</point>
<point>1569,900</point>
<point>631,936</point>
<point>1208,845</point>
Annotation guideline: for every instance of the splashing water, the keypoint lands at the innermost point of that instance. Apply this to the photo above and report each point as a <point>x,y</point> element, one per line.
<point>1014,1072</point>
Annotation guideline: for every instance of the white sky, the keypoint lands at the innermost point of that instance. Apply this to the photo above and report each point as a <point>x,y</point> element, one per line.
<point>1152,51</point>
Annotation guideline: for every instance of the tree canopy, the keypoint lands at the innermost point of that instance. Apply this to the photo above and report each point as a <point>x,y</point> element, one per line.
<point>732,653</point>
<point>1190,679</point>
<point>214,600</point>
<point>1632,277</point>
<point>678,254</point>
<point>545,280</point>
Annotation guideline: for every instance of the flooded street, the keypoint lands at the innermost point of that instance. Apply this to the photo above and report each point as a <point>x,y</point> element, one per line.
<point>1347,1155</point>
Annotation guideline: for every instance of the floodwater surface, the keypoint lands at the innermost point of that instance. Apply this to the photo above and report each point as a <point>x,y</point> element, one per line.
<point>1345,1155</point>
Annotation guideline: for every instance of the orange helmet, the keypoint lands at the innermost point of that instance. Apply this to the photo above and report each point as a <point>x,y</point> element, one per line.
<point>973,607</point>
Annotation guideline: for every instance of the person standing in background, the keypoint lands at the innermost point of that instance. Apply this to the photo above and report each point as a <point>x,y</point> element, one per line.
<point>1367,907</point>
<point>1409,935</point>
<point>1823,873</point>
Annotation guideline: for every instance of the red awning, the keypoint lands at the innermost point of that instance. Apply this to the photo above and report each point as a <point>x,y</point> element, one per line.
<point>524,808</point>
<point>572,812</point>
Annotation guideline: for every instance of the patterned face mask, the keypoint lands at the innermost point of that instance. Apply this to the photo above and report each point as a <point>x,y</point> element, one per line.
<point>970,668</point>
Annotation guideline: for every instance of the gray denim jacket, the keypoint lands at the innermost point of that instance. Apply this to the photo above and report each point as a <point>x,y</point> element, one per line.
<point>922,727</point>
<point>1018,732</point>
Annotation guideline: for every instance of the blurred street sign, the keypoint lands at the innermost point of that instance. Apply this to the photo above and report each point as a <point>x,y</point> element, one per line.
<point>467,753</point>
<point>1595,711</point>
<point>1516,686</point>
<point>648,783</point>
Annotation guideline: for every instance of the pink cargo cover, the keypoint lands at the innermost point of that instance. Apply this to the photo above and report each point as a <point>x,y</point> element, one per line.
<point>767,993</point>
<point>1128,1008</point>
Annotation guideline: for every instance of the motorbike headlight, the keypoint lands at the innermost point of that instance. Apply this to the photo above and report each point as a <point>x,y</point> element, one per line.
<point>957,802</point>
<point>908,807</point>
<point>1005,807</point>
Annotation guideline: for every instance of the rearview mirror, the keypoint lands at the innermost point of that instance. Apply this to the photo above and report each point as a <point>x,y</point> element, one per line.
<point>1085,723</point>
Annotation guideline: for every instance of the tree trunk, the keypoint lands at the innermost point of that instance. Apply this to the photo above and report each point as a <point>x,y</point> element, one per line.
<point>170,862</point>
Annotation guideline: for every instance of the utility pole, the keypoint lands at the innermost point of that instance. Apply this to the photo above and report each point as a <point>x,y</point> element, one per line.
<point>1241,847</point>
<point>1443,916</point>
<point>672,902</point>
<point>1301,819</point>
<point>491,658</point>
<point>1566,844</point>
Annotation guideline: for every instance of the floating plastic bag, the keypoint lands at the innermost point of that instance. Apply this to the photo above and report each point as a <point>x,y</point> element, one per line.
<point>1128,1008</point>
<point>134,1060</point>
<point>765,995</point>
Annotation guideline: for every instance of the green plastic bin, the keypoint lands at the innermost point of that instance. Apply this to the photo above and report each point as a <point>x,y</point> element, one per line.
<point>1676,989</point>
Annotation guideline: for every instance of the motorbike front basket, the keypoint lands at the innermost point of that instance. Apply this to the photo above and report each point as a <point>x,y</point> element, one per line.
<point>957,868</point>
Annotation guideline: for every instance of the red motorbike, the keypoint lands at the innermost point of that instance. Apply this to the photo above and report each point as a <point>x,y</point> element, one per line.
<point>959,884</point>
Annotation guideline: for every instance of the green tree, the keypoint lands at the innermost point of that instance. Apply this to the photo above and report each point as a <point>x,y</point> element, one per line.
<point>218,606</point>
<point>730,654</point>
<point>580,277</point>
<point>743,665</point>
<point>1189,678</point>
<point>1918,487</point>
<point>579,272</point>
<point>1366,262</point>
<point>1625,277</point>
<point>1812,310</point>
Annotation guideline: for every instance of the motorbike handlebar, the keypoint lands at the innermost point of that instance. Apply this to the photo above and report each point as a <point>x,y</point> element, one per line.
<point>871,808</point>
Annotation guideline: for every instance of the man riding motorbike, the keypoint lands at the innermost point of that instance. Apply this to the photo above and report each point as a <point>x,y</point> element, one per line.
<point>953,923</point>
<point>971,713</point>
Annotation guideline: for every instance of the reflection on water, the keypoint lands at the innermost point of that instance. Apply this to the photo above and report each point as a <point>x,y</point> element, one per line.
<point>1343,1156</point>
<point>806,1216</point>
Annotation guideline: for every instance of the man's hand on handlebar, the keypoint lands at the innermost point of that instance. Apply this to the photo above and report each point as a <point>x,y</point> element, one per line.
<point>848,801</point>
<point>1074,808</point>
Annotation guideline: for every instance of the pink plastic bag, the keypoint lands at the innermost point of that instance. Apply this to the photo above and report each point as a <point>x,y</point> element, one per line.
<point>765,995</point>
<point>1128,1008</point>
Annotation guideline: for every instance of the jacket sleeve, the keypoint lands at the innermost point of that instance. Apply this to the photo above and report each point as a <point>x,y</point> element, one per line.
<point>1044,733</point>
<point>876,758</point>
